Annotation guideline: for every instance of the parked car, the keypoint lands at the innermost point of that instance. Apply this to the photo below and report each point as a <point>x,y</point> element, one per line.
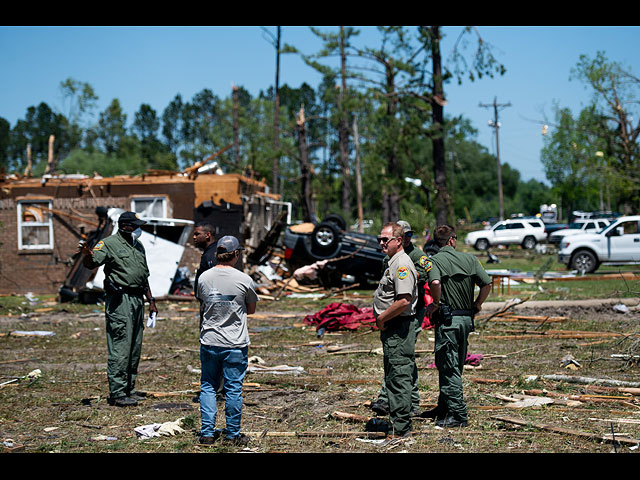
<point>520,231</point>
<point>550,228</point>
<point>351,253</point>
<point>577,227</point>
<point>616,244</point>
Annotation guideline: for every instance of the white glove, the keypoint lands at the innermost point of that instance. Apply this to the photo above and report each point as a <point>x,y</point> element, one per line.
<point>170,428</point>
<point>151,322</point>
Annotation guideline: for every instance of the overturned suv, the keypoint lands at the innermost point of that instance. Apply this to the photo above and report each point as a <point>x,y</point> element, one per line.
<point>348,253</point>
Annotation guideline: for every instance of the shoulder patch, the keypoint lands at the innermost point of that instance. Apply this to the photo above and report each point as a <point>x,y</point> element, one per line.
<point>99,245</point>
<point>428,264</point>
<point>402,273</point>
<point>423,260</point>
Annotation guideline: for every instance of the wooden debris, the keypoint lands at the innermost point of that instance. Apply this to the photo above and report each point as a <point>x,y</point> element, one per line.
<point>603,381</point>
<point>171,394</point>
<point>349,417</point>
<point>267,433</point>
<point>629,390</point>
<point>338,348</point>
<point>567,431</point>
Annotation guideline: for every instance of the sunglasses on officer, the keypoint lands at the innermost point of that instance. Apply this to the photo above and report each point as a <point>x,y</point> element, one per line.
<point>385,240</point>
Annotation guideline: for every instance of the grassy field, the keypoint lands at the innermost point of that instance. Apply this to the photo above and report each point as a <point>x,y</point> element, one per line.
<point>324,408</point>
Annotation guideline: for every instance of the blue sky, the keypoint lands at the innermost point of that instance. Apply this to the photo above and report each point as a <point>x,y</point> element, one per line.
<point>152,64</point>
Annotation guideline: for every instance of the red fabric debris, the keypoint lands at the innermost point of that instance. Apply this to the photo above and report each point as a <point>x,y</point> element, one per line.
<point>341,316</point>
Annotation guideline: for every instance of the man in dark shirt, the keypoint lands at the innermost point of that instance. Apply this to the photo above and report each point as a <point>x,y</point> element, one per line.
<point>203,238</point>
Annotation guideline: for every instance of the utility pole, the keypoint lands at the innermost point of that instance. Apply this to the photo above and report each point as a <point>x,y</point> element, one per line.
<point>495,124</point>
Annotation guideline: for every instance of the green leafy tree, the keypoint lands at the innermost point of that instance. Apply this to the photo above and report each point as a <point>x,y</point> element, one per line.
<point>615,105</point>
<point>35,129</point>
<point>5,142</point>
<point>112,127</point>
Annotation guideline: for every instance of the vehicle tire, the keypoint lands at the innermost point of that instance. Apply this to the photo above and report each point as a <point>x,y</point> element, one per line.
<point>325,239</point>
<point>529,242</point>
<point>336,219</point>
<point>584,260</point>
<point>482,244</point>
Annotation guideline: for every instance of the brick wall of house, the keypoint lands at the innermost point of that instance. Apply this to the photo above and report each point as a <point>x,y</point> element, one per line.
<point>44,271</point>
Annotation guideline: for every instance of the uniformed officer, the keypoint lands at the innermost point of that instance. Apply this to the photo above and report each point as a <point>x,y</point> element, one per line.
<point>453,276</point>
<point>419,259</point>
<point>394,306</point>
<point>126,284</point>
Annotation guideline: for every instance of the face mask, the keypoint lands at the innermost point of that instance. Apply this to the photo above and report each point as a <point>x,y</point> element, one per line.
<point>136,233</point>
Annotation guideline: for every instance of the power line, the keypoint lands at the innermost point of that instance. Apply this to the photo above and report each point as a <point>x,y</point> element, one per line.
<point>495,124</point>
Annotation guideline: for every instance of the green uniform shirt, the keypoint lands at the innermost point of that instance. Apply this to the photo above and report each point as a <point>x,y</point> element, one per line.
<point>458,273</point>
<point>124,264</point>
<point>400,277</point>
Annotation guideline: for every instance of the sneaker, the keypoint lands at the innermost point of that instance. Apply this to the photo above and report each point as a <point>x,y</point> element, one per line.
<point>451,422</point>
<point>240,440</point>
<point>125,402</point>
<point>380,407</point>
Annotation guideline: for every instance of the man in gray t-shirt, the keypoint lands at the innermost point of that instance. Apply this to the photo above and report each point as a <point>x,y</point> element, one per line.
<point>227,296</point>
<point>225,293</point>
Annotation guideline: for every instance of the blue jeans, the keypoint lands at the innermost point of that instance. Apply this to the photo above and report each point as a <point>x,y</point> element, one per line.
<point>232,362</point>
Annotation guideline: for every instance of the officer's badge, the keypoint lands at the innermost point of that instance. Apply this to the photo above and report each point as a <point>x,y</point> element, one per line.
<point>402,273</point>
<point>99,245</point>
<point>428,264</point>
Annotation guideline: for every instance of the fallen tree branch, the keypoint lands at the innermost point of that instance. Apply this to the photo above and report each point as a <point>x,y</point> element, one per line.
<point>603,381</point>
<point>567,431</point>
<point>483,320</point>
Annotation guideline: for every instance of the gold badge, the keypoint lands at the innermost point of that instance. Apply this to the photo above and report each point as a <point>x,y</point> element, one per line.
<point>99,245</point>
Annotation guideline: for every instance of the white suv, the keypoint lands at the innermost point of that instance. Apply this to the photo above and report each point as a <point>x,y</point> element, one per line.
<point>520,231</point>
<point>577,227</point>
<point>617,244</point>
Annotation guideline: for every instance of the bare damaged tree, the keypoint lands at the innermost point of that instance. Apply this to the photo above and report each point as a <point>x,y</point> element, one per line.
<point>306,196</point>
<point>275,40</point>
<point>483,63</point>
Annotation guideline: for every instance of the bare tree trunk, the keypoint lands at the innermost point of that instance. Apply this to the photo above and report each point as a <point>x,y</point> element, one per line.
<point>236,127</point>
<point>390,195</point>
<point>442,200</point>
<point>276,119</point>
<point>343,135</point>
<point>49,167</point>
<point>358,176</point>
<point>28,171</point>
<point>306,195</point>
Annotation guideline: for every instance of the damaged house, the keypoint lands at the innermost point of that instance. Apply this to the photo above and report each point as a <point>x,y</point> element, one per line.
<point>42,220</point>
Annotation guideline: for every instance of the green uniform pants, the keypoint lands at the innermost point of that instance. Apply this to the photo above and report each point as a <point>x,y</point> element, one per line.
<point>450,354</point>
<point>415,393</point>
<point>398,345</point>
<point>124,315</point>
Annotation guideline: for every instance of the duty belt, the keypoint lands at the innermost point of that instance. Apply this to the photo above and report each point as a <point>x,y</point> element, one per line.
<point>462,313</point>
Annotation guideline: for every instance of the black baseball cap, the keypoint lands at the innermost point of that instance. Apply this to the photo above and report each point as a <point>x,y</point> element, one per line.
<point>131,218</point>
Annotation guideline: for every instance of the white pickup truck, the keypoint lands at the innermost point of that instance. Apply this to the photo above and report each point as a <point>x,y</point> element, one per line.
<point>578,227</point>
<point>617,244</point>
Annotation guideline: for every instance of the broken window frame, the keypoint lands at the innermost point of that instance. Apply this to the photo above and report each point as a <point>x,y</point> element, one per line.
<point>47,222</point>
<point>153,198</point>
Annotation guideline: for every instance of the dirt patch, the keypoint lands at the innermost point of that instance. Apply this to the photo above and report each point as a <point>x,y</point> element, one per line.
<point>65,410</point>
